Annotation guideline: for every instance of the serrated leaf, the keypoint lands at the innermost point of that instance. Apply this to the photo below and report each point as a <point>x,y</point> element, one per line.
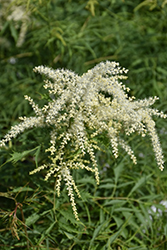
<point>19,156</point>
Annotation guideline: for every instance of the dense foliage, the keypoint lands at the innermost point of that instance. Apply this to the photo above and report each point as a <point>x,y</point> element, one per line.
<point>77,35</point>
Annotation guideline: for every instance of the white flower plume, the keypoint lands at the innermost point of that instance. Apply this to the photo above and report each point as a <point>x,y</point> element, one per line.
<point>79,109</point>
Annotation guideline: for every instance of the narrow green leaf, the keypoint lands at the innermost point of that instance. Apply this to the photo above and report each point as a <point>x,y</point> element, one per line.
<point>120,203</point>
<point>37,155</point>
<point>50,228</point>
<point>147,217</point>
<point>107,185</point>
<point>138,248</point>
<point>117,171</point>
<point>3,29</point>
<point>13,32</point>
<point>32,219</point>
<point>123,209</point>
<point>123,185</point>
<point>95,234</point>
<point>165,229</point>
<point>69,236</point>
<point>140,182</point>
<point>162,71</point>
<point>115,235</point>
<point>22,189</point>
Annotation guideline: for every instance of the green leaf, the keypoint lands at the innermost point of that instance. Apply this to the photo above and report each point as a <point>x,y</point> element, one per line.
<point>162,71</point>
<point>115,235</point>
<point>68,216</point>
<point>145,211</point>
<point>165,229</point>
<point>32,219</point>
<point>117,171</point>
<point>37,155</point>
<point>107,186</point>
<point>119,222</point>
<point>96,232</point>
<point>87,180</point>
<point>19,156</point>
<point>141,181</point>
<point>64,226</point>
<point>50,228</point>
<point>69,236</point>
<point>3,29</point>
<point>123,209</point>
<point>120,203</point>
<point>13,32</point>
<point>22,189</point>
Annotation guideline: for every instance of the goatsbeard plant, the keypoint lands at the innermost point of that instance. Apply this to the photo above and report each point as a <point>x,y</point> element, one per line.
<point>79,109</point>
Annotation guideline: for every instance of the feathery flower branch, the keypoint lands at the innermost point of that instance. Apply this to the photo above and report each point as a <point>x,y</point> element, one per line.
<point>79,109</point>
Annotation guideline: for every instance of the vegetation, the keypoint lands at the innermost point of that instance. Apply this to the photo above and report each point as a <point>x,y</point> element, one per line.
<point>76,35</point>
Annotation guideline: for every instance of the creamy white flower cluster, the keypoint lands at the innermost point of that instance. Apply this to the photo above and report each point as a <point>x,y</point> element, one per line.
<point>79,109</point>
